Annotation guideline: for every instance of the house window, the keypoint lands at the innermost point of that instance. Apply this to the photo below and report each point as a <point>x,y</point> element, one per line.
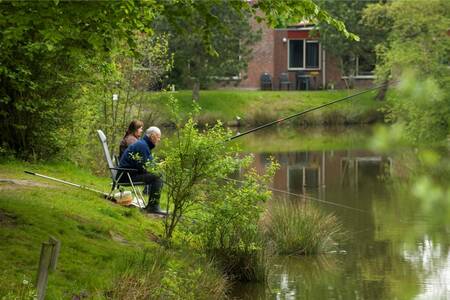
<point>365,65</point>
<point>312,54</point>
<point>303,54</point>
<point>296,54</point>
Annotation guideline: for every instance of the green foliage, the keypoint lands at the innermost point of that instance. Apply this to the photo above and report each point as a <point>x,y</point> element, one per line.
<point>416,50</point>
<point>347,50</point>
<point>422,107</point>
<point>192,160</point>
<point>284,13</point>
<point>160,276</point>
<point>417,37</point>
<point>297,228</point>
<point>227,228</point>
<point>47,57</point>
<point>232,41</point>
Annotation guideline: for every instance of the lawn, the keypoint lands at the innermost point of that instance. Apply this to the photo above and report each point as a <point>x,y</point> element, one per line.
<point>256,107</point>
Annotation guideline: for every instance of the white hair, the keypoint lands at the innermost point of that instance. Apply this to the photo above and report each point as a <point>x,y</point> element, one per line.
<point>153,129</point>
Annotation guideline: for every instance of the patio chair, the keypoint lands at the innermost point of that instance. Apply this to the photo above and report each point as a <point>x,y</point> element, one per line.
<point>284,81</point>
<point>116,185</point>
<point>266,81</point>
<point>302,82</point>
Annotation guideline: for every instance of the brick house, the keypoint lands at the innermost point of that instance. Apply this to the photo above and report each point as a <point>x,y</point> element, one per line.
<point>297,51</point>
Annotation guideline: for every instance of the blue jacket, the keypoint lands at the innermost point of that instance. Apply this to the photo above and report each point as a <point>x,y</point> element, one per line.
<point>137,154</point>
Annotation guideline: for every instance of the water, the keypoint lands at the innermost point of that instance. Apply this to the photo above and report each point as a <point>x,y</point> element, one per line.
<point>397,247</point>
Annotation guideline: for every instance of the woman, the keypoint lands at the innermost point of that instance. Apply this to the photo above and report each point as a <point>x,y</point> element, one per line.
<point>132,135</point>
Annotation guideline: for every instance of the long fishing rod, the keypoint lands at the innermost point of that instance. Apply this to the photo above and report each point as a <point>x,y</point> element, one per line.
<point>69,183</point>
<point>305,197</point>
<point>308,110</point>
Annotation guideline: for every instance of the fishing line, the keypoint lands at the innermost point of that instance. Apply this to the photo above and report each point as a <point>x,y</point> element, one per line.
<point>306,197</point>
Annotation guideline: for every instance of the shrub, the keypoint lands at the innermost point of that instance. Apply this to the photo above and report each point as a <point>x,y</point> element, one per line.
<point>296,228</point>
<point>228,228</point>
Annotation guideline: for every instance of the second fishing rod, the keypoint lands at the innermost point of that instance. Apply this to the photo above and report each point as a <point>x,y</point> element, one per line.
<point>310,110</point>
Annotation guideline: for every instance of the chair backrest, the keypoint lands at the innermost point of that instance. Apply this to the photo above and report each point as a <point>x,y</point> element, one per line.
<point>284,77</point>
<point>266,78</point>
<point>102,138</point>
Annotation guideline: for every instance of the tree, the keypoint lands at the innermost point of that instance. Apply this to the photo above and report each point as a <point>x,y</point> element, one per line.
<point>49,52</point>
<point>195,65</point>
<point>416,50</point>
<point>349,51</point>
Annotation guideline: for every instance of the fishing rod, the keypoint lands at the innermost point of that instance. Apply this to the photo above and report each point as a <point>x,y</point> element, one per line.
<point>305,197</point>
<point>308,110</point>
<point>122,198</point>
<point>69,183</point>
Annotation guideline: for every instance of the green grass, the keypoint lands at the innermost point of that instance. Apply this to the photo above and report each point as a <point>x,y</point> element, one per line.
<point>255,107</point>
<point>96,237</point>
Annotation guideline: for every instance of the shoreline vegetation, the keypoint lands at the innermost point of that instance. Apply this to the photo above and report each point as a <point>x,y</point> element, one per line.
<point>112,252</point>
<point>236,108</point>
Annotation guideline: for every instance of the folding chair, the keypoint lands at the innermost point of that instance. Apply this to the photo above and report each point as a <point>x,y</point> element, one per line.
<point>116,185</point>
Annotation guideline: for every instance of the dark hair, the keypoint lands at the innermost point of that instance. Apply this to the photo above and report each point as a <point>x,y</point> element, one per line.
<point>134,126</point>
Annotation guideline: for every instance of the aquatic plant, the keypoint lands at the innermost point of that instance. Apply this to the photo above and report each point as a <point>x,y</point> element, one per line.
<point>299,229</point>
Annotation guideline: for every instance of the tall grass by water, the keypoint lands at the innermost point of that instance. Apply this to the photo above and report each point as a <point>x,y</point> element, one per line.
<point>157,276</point>
<point>296,228</point>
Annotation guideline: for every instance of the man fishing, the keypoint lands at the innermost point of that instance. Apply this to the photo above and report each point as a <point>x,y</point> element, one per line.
<point>136,157</point>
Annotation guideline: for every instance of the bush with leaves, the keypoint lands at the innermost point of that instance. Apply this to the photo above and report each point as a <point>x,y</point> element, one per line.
<point>228,229</point>
<point>192,161</point>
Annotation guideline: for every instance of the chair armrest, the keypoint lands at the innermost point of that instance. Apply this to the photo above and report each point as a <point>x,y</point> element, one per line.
<point>124,169</point>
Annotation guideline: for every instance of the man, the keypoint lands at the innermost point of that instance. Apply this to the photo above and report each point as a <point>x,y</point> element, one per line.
<point>137,156</point>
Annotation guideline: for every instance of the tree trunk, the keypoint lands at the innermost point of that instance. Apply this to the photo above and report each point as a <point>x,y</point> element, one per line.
<point>196,91</point>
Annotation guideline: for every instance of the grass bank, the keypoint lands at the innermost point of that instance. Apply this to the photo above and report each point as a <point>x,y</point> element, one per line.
<point>106,249</point>
<point>257,107</point>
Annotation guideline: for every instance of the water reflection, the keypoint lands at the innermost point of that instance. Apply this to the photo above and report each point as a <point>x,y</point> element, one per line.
<point>388,255</point>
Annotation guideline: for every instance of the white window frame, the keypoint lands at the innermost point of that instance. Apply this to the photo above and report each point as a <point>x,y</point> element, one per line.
<point>304,55</point>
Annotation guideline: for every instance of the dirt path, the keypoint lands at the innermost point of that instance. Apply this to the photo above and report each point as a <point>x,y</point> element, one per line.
<point>9,184</point>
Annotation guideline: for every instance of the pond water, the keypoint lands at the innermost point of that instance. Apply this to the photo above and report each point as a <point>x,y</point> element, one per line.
<point>397,247</point>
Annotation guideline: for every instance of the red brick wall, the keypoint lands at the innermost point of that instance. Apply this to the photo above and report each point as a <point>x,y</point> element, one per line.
<point>280,59</point>
<point>263,56</point>
<point>270,55</point>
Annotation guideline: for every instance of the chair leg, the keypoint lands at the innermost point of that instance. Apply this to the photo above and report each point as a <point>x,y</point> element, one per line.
<point>138,193</point>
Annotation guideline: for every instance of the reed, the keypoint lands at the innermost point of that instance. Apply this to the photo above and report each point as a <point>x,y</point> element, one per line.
<point>296,228</point>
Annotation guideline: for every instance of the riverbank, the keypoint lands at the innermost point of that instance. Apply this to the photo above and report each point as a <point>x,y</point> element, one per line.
<point>249,108</point>
<point>103,244</point>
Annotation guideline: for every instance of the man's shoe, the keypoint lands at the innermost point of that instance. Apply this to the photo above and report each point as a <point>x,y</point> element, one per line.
<point>155,209</point>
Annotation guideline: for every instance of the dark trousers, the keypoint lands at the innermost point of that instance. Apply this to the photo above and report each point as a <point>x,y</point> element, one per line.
<point>153,181</point>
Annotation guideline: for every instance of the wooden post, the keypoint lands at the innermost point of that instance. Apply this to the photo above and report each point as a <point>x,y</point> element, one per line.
<point>47,262</point>
<point>55,253</point>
